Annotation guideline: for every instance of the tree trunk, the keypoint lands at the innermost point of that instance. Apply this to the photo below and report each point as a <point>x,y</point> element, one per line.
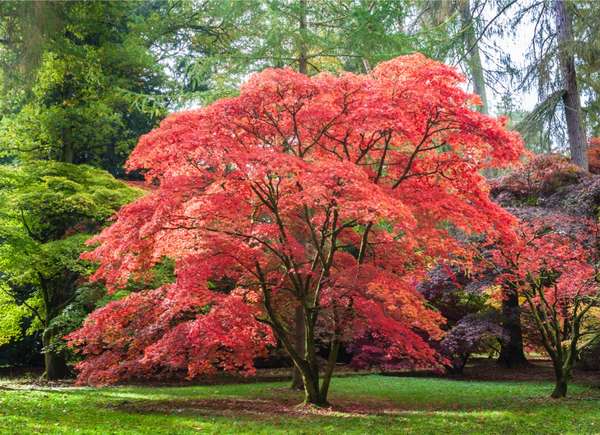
<point>332,359</point>
<point>309,372</point>
<point>55,364</point>
<point>311,396</point>
<point>297,379</point>
<point>563,360</point>
<point>560,388</point>
<point>571,99</point>
<point>67,154</point>
<point>312,393</point>
<point>511,352</point>
<point>302,55</point>
<point>473,55</point>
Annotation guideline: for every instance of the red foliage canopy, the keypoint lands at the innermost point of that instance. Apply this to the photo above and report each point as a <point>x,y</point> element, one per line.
<point>541,174</point>
<point>334,194</point>
<point>553,265</point>
<point>553,261</point>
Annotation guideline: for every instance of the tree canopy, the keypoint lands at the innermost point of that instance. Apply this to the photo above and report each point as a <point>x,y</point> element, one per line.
<point>331,193</point>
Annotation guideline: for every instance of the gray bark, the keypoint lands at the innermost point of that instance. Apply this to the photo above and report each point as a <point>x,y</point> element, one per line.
<point>473,55</point>
<point>571,99</point>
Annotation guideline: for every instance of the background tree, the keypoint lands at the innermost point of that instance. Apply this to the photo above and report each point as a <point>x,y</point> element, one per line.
<point>571,98</point>
<point>348,35</point>
<point>585,52</point>
<point>553,266</point>
<point>99,79</point>
<point>47,211</point>
<point>462,21</point>
<point>473,322</point>
<point>558,119</point>
<point>524,192</point>
<point>511,351</point>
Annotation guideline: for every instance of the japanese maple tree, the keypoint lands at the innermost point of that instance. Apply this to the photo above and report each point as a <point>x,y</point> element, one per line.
<point>553,266</point>
<point>331,194</point>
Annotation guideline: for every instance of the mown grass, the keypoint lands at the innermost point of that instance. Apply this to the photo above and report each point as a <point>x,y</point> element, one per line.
<point>362,404</point>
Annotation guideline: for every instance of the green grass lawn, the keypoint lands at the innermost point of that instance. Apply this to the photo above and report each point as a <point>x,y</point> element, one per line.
<point>362,404</point>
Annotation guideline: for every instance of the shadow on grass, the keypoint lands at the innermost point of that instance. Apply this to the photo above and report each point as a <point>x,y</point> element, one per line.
<point>372,404</point>
<point>344,407</point>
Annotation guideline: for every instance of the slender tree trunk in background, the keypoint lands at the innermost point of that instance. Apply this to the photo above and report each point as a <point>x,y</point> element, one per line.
<point>110,157</point>
<point>543,77</point>
<point>473,55</point>
<point>366,65</point>
<point>67,154</point>
<point>511,352</point>
<point>302,55</point>
<point>571,99</point>
<point>299,324</point>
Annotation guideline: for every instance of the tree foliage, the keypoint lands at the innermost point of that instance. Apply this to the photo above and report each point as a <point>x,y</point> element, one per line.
<point>47,211</point>
<point>331,193</point>
<point>99,79</point>
<point>553,266</point>
<point>473,322</point>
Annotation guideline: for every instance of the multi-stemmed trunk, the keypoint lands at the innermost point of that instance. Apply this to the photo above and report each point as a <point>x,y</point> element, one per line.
<point>316,385</point>
<point>560,331</point>
<point>562,377</point>
<point>563,359</point>
<point>315,380</point>
<point>305,362</point>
